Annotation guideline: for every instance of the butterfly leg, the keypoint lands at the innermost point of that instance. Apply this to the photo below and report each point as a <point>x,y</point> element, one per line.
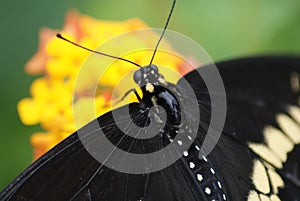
<point>130,91</point>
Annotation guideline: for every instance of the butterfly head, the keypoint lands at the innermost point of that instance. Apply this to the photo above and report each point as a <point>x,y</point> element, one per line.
<point>148,76</point>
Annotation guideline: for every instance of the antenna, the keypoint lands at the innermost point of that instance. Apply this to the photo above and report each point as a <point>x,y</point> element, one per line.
<point>101,53</point>
<point>163,32</point>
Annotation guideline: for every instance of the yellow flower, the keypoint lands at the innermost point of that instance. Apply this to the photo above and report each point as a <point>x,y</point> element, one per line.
<point>53,100</point>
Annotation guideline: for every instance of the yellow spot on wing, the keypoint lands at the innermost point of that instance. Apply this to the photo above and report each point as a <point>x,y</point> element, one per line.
<point>275,198</point>
<point>290,127</point>
<point>260,177</point>
<point>295,82</point>
<point>266,153</point>
<point>264,197</point>
<point>278,142</point>
<point>294,111</point>
<point>253,196</point>
<point>276,180</point>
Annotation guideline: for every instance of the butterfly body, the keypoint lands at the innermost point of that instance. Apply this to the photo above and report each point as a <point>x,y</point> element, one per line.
<point>158,92</point>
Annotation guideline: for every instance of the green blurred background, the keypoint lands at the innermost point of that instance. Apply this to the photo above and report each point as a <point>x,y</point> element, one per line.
<point>226,29</point>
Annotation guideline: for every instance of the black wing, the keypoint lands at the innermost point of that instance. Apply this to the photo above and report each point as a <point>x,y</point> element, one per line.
<point>69,172</point>
<point>255,97</point>
<point>258,154</point>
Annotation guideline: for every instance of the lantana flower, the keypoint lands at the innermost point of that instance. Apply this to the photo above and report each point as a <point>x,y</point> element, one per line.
<point>51,103</point>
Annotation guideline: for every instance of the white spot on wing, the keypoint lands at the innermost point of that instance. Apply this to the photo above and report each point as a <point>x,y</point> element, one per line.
<point>207,191</point>
<point>219,184</point>
<point>260,177</point>
<point>199,177</point>
<point>192,165</point>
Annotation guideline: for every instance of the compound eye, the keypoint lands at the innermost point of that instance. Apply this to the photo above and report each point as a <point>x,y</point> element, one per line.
<point>137,76</point>
<point>154,67</point>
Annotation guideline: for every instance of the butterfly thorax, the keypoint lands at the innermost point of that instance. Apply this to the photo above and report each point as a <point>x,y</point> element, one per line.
<point>158,92</point>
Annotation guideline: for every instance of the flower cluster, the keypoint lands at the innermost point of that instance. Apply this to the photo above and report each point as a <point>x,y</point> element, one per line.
<point>51,103</point>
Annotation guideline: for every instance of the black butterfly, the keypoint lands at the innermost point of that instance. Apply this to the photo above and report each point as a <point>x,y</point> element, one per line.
<point>256,157</point>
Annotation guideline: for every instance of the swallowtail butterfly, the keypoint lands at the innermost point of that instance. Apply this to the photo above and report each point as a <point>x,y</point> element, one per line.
<point>256,156</point>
